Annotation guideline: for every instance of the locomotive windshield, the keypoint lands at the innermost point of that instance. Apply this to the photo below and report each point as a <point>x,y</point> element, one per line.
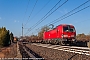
<point>72,29</point>
<point>67,28</point>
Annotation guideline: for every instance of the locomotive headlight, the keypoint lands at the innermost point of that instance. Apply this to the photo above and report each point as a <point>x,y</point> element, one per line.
<point>73,39</point>
<point>65,35</point>
<point>62,36</point>
<point>72,35</point>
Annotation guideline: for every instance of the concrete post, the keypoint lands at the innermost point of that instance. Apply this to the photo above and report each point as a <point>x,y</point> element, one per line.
<point>88,44</point>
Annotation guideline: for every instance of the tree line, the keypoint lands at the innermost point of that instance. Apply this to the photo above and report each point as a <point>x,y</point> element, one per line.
<point>83,37</point>
<point>5,37</point>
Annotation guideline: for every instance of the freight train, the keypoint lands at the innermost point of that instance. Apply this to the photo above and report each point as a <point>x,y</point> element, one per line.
<point>62,34</point>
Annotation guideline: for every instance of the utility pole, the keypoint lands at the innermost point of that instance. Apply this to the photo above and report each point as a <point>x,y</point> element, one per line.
<point>22,29</point>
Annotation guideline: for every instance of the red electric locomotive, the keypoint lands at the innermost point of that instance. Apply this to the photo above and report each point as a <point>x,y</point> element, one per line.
<point>62,34</point>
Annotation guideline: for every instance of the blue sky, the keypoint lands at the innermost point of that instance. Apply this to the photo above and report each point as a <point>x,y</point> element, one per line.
<point>15,12</point>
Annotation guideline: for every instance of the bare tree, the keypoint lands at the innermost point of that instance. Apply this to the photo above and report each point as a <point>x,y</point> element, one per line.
<point>43,29</point>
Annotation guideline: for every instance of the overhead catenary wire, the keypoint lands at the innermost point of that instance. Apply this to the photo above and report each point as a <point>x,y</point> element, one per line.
<point>72,14</point>
<point>41,9</point>
<point>49,11</point>
<point>48,15</point>
<point>37,12</point>
<point>26,9</point>
<point>31,12</point>
<point>44,15</point>
<point>53,11</point>
<point>68,14</point>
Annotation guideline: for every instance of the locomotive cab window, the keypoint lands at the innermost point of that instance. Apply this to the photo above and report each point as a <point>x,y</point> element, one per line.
<point>72,29</point>
<point>66,28</point>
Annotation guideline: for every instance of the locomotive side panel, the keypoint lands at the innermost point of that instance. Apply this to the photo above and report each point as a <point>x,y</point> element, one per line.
<point>59,32</point>
<point>53,34</point>
<point>46,35</point>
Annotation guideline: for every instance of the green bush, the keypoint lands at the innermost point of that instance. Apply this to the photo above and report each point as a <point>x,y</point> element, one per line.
<point>4,37</point>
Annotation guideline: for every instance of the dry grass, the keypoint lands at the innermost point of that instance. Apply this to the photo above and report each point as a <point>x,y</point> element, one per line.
<point>8,52</point>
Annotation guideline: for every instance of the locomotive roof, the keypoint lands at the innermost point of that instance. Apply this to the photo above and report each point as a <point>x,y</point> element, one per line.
<point>64,25</point>
<point>61,25</point>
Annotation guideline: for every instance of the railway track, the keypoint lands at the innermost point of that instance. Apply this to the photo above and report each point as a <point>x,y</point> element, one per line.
<point>73,49</point>
<point>28,54</point>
